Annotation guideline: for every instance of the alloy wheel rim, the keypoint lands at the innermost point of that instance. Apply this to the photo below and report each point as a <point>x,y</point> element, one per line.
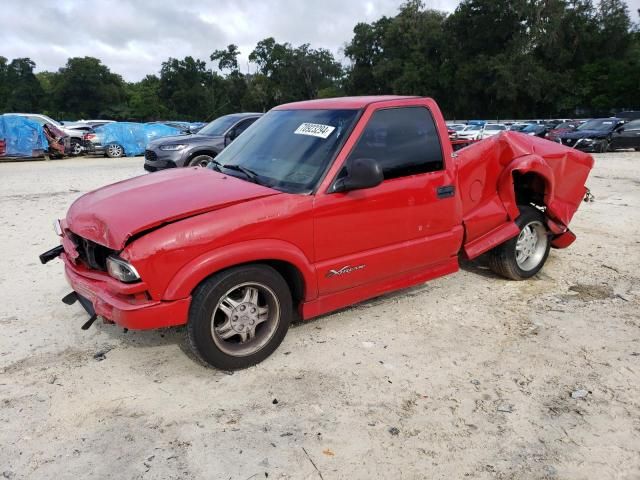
<point>245,319</point>
<point>114,150</point>
<point>531,245</point>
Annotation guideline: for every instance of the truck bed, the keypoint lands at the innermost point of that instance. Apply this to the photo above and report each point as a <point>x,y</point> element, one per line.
<point>498,173</point>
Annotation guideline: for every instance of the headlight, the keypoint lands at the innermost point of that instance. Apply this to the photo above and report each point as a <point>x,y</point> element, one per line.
<point>588,140</point>
<point>170,147</point>
<point>121,270</point>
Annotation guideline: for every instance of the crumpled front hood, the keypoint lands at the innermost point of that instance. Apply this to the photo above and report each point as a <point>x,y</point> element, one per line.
<point>111,215</point>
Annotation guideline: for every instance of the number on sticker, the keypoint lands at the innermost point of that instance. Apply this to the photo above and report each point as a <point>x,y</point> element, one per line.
<point>315,130</point>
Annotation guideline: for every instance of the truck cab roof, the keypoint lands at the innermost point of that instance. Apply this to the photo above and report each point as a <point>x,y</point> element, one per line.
<point>342,103</point>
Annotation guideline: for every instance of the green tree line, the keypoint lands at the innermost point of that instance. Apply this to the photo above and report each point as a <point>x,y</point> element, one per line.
<point>487,59</point>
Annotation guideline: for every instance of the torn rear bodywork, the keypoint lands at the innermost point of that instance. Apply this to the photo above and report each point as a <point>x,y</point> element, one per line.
<point>499,173</point>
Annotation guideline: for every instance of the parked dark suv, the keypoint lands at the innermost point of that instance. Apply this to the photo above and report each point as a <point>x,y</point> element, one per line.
<point>199,148</point>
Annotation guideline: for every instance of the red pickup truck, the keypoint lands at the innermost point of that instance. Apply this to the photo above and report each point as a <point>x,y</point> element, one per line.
<point>317,206</point>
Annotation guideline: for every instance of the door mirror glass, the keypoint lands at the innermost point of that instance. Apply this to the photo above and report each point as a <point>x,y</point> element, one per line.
<point>361,173</point>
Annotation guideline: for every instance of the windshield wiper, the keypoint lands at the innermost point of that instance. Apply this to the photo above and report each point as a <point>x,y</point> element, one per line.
<point>214,165</point>
<point>250,174</point>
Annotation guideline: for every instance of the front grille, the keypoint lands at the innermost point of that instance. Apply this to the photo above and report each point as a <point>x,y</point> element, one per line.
<point>150,155</point>
<point>92,254</point>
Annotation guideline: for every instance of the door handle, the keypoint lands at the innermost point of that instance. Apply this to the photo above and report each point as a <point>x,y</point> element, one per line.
<point>445,192</point>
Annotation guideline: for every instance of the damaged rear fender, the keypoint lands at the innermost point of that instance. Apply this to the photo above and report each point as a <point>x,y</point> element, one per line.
<point>523,165</point>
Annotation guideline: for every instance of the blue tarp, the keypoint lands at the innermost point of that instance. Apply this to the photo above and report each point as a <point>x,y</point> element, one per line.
<point>133,137</point>
<point>23,137</point>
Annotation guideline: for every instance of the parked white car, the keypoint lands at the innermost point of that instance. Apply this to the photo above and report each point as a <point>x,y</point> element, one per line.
<point>491,129</point>
<point>470,132</point>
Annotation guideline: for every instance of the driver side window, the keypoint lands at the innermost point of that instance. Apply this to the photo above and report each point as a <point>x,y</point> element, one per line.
<point>404,141</point>
<point>242,126</point>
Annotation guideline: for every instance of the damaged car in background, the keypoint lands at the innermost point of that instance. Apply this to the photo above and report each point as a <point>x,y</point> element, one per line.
<point>592,136</point>
<point>319,205</point>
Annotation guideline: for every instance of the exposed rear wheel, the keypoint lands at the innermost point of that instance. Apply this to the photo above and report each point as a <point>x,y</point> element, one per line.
<point>238,317</point>
<point>76,147</point>
<point>523,256</point>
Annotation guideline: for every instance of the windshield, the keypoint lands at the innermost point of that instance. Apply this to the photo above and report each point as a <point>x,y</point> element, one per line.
<point>219,126</point>
<point>530,128</point>
<point>472,127</point>
<point>602,124</point>
<point>495,127</point>
<point>289,150</point>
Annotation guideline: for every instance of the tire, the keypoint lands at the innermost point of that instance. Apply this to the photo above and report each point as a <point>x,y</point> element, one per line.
<point>604,146</point>
<point>200,160</point>
<point>114,150</point>
<point>534,235</point>
<point>76,148</point>
<point>222,315</point>
<point>637,149</point>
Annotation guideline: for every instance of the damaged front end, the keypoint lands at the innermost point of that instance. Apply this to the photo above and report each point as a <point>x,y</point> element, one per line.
<point>109,287</point>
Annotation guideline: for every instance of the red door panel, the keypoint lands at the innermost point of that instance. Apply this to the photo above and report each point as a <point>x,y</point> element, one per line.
<point>362,229</point>
<point>411,221</point>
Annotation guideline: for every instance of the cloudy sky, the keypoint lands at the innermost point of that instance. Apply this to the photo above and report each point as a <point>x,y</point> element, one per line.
<point>134,37</point>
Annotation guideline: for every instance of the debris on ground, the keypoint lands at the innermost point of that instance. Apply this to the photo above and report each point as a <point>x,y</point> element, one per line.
<point>579,393</point>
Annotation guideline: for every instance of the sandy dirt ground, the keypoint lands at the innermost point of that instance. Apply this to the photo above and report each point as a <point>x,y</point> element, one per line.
<point>468,376</point>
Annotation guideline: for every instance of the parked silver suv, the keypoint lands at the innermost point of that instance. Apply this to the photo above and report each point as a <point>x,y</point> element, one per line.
<point>199,148</point>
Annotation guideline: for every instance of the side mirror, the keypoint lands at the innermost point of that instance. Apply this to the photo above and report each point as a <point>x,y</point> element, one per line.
<point>619,129</point>
<point>361,173</point>
<point>229,137</point>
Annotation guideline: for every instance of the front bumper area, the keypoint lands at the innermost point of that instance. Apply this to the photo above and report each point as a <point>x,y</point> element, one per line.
<point>155,160</point>
<point>93,148</point>
<point>581,144</point>
<point>126,305</point>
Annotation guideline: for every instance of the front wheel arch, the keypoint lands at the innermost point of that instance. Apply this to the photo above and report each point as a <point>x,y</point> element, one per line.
<point>284,256</point>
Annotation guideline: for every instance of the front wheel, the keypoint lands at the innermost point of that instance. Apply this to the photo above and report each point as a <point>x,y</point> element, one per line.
<point>523,256</point>
<point>604,146</point>
<point>238,317</point>
<point>200,161</point>
<point>114,151</point>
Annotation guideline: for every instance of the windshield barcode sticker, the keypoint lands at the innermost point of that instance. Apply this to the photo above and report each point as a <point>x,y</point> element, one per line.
<point>315,130</point>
